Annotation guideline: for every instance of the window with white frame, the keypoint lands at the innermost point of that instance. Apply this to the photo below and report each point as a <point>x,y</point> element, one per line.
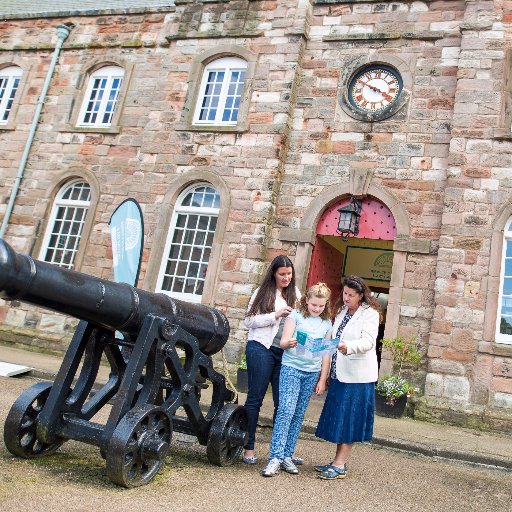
<point>101,97</point>
<point>221,92</point>
<point>189,243</point>
<point>504,321</point>
<point>65,225</point>
<point>10,79</point>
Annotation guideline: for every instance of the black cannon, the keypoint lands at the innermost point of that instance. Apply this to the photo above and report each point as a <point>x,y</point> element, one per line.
<point>144,389</point>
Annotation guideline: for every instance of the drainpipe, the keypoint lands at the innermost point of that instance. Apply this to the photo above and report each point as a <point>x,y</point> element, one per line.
<point>62,34</point>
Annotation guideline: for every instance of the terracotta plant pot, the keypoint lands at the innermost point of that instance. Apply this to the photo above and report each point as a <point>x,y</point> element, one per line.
<point>390,411</point>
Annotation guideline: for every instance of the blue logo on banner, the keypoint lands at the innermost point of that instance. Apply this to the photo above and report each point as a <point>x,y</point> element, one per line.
<point>127,234</point>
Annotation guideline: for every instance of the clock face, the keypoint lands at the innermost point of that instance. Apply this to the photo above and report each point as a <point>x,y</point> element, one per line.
<point>375,89</point>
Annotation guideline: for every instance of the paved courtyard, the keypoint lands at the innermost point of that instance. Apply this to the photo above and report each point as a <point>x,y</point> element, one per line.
<point>75,478</point>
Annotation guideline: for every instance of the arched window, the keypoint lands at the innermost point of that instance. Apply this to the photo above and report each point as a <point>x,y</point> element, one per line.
<point>10,79</point>
<point>221,92</point>
<point>65,225</point>
<point>189,242</point>
<point>504,321</point>
<point>101,97</point>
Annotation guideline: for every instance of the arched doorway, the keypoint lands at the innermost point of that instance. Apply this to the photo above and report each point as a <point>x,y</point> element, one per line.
<point>368,255</point>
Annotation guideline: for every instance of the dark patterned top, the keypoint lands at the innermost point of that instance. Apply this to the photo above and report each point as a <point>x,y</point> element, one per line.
<point>344,322</point>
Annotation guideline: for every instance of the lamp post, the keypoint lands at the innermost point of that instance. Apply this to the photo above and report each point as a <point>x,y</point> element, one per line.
<point>348,223</point>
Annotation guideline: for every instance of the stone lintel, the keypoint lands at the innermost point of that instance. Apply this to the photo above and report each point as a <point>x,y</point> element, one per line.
<point>408,244</point>
<point>363,37</point>
<point>496,349</point>
<point>213,34</point>
<point>502,133</point>
<point>297,235</point>
<point>430,36</point>
<point>424,35</point>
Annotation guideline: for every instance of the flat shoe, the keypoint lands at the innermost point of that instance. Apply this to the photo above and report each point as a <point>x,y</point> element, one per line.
<point>249,460</point>
<point>333,473</point>
<point>298,461</point>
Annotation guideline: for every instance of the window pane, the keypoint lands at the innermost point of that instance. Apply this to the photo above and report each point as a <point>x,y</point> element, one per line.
<point>196,254</point>
<point>509,249</point>
<point>506,325</point>
<point>178,236</point>
<point>185,252</point>
<point>507,286</point>
<point>508,266</point>
<point>175,250</point>
<point>506,306</point>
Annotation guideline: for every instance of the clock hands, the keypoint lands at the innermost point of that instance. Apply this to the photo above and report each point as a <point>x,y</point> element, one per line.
<point>376,89</point>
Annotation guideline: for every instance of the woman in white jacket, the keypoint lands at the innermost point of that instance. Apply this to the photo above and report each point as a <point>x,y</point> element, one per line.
<point>269,306</point>
<point>347,415</point>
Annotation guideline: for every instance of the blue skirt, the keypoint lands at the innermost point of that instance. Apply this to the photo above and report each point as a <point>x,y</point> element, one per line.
<point>347,415</point>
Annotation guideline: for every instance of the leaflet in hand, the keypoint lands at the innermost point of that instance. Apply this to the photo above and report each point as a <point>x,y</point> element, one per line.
<point>315,347</point>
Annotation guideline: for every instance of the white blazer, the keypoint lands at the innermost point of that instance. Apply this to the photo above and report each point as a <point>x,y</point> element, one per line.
<point>263,328</point>
<point>360,334</point>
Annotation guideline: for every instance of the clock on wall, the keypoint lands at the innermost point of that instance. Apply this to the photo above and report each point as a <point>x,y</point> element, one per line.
<point>374,90</point>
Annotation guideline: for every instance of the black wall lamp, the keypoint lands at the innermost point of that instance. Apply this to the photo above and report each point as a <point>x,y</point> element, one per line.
<point>348,223</point>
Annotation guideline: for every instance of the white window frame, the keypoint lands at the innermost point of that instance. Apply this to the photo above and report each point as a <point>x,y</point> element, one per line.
<point>68,244</point>
<point>185,211</point>
<point>227,65</point>
<point>110,74</point>
<point>507,238</point>
<point>11,76</point>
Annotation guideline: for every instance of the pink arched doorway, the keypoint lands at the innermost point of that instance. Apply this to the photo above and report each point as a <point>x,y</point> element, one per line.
<point>369,254</point>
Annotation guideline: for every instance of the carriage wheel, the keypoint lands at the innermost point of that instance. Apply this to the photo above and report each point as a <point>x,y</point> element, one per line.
<point>138,446</point>
<point>20,434</point>
<point>227,436</point>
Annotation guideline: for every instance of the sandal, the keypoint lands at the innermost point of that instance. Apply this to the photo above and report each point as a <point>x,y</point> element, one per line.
<point>298,461</point>
<point>333,473</point>
<point>322,467</point>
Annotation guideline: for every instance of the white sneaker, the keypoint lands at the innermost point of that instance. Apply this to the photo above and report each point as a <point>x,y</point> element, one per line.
<point>289,466</point>
<point>272,468</point>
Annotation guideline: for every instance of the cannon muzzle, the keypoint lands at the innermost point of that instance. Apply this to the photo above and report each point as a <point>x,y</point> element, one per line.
<point>115,306</point>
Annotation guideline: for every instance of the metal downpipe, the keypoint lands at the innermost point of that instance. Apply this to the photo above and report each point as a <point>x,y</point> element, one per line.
<point>62,34</point>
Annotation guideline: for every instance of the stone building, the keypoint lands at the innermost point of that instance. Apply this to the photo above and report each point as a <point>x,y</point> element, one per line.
<point>242,127</point>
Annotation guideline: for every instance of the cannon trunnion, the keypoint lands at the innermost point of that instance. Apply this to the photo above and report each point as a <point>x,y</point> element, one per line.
<point>147,383</point>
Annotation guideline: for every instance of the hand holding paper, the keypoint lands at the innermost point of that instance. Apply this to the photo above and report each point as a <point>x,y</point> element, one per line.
<point>317,347</point>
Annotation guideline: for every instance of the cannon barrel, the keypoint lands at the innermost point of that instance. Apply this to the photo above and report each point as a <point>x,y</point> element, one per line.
<point>115,306</point>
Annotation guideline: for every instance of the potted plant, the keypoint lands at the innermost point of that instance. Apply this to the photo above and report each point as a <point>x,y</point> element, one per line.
<point>392,391</point>
<point>241,375</point>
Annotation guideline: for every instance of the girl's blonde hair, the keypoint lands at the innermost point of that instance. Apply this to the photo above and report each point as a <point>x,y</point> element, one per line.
<point>319,291</point>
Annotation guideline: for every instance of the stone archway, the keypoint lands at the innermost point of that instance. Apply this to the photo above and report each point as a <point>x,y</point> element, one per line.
<point>359,184</point>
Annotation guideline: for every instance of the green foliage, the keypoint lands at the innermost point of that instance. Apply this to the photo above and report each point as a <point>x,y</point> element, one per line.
<point>243,363</point>
<point>402,351</point>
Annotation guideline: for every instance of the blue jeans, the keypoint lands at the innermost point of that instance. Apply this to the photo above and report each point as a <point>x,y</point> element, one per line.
<point>295,389</point>
<point>263,367</point>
